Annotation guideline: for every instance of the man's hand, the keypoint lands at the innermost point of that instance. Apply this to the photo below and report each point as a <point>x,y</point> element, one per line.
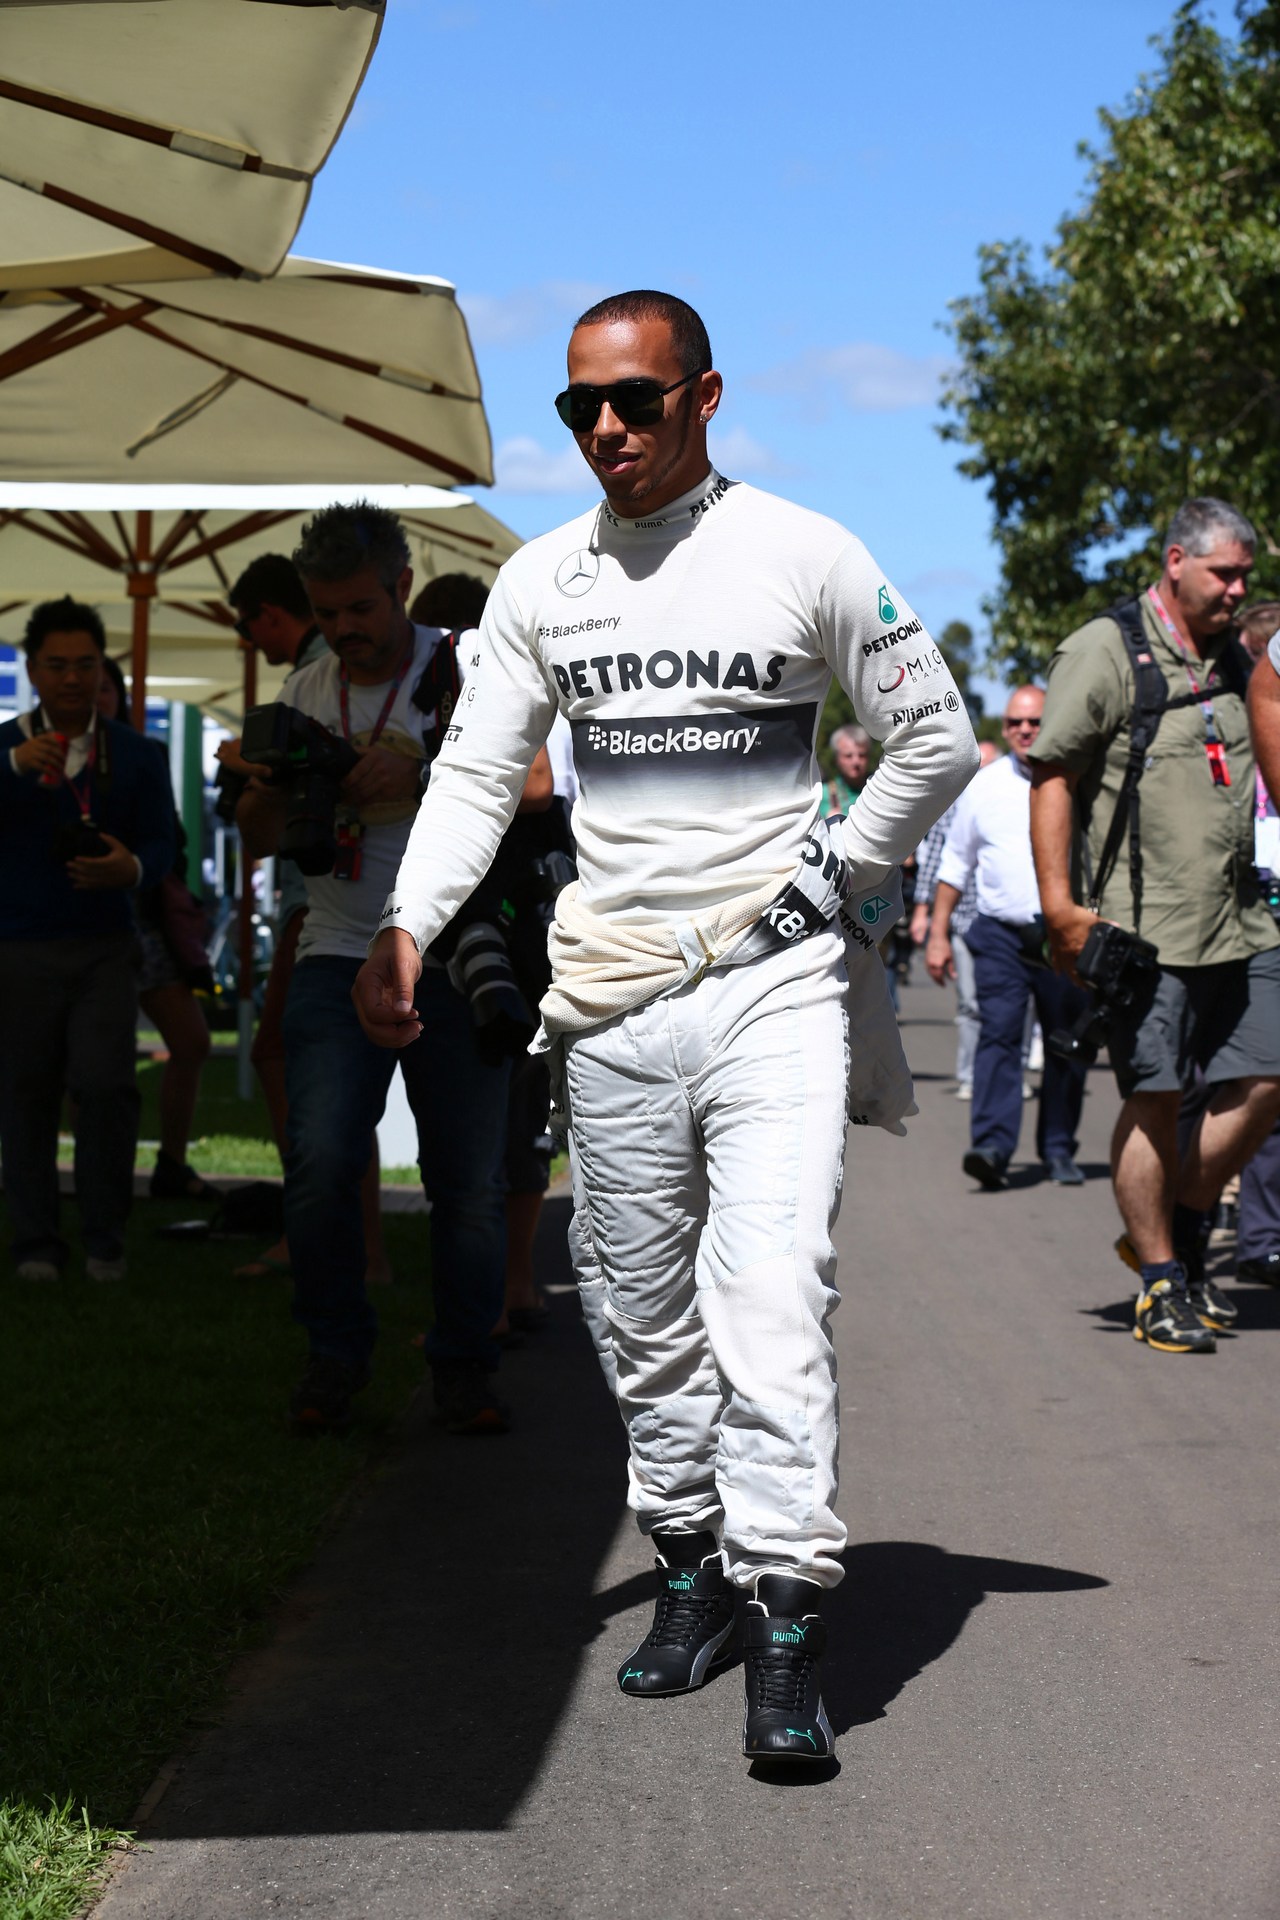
<point>383,990</point>
<point>919,923</point>
<point>939,960</point>
<point>44,753</point>
<point>381,777</point>
<point>229,756</point>
<point>115,869</point>
<point>1068,930</point>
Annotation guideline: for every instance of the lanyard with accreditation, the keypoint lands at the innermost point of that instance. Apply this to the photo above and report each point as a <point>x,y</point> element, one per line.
<point>1215,752</point>
<point>350,830</point>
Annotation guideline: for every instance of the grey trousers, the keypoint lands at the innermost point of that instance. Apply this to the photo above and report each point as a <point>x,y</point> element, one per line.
<point>68,1025</point>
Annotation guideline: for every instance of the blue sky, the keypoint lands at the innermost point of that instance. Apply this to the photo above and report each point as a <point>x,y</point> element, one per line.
<point>816,179</point>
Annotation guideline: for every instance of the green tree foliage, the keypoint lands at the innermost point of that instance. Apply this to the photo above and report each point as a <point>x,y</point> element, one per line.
<point>1143,364</point>
<point>957,643</point>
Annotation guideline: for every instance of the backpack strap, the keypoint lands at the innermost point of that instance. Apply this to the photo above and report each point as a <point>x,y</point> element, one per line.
<point>1150,699</point>
<point>438,688</point>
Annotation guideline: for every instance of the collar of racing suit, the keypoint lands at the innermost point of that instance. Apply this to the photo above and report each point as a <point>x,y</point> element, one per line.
<point>686,511</point>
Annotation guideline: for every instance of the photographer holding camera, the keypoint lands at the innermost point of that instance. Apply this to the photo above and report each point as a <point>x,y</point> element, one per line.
<point>1143,806</point>
<point>350,743</point>
<point>86,816</point>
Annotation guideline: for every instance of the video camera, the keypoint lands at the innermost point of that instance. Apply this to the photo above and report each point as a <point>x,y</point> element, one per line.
<point>1120,968</point>
<point>310,763</point>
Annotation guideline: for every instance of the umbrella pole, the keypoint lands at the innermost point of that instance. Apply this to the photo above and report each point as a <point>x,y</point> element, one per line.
<point>142,590</point>
<point>244,1063</point>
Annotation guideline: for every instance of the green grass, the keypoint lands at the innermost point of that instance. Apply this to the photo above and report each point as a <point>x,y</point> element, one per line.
<point>152,1506</point>
<point>231,1135</point>
<point>50,1862</point>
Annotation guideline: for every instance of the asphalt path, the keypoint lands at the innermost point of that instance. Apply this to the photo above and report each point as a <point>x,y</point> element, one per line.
<point>1054,1669</point>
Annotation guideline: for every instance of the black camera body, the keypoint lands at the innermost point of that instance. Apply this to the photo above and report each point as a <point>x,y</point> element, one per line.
<point>77,840</point>
<point>309,763</point>
<point>1121,970</point>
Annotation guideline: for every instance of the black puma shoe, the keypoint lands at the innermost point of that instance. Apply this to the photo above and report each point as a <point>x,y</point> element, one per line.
<point>783,1645</point>
<point>692,1621</point>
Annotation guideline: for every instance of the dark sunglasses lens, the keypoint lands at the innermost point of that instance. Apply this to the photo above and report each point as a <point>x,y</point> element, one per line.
<point>638,403</point>
<point>578,409</point>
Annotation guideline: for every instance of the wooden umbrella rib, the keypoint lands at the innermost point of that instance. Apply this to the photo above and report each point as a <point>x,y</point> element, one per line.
<point>143,230</point>
<point>181,527</point>
<point>414,451</point>
<point>220,153</point>
<point>334,356</point>
<point>95,543</point>
<point>244,529</point>
<point>209,610</point>
<point>72,331</point>
<point>450,533</point>
<point>72,545</point>
<point>126,538</point>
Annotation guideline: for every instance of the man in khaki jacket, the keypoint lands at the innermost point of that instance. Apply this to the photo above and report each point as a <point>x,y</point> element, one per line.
<point>1214,1002</point>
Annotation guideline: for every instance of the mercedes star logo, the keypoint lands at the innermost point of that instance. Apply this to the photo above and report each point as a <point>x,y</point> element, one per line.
<point>578,573</point>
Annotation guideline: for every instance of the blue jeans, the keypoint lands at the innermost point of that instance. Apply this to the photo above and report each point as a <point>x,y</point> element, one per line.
<point>1004,979</point>
<point>337,1084</point>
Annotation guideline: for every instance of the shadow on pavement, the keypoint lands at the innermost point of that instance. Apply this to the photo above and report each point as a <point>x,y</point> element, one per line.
<point>422,1665</point>
<point>901,1604</point>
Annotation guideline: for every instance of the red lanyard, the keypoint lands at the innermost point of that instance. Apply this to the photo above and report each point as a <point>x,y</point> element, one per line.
<point>344,680</point>
<point>1215,752</point>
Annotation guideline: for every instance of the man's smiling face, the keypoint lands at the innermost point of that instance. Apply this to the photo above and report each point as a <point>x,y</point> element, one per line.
<point>642,468</point>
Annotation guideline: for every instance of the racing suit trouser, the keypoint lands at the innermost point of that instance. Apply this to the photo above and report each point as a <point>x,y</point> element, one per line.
<point>707,1137</point>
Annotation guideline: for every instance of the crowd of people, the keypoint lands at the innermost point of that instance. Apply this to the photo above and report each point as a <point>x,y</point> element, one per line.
<point>693,978</point>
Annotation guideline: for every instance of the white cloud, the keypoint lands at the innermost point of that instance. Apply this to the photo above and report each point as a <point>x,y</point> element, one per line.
<point>522,466</point>
<point>503,320</point>
<point>739,454</point>
<point>868,377</point>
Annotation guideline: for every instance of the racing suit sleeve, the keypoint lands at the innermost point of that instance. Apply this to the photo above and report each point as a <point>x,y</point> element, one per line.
<point>503,716</point>
<point>903,694</point>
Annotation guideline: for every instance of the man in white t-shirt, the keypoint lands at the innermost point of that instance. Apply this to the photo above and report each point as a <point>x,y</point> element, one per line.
<point>688,628</point>
<point>389,688</point>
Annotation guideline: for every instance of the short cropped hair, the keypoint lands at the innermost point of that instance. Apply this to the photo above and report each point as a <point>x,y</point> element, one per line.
<point>342,540</point>
<point>850,736</point>
<point>271,580</point>
<point>452,600</point>
<point>1195,524</point>
<point>62,616</point>
<point>688,335</point>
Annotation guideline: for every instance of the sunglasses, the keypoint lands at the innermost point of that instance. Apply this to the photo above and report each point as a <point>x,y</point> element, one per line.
<point>637,403</point>
<point>242,627</point>
<point>1033,724</point>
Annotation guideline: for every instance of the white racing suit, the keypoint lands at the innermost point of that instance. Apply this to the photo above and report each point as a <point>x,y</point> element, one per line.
<point>691,652</point>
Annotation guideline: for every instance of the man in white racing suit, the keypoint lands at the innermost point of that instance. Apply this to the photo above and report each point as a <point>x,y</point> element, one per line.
<point>701,1017</point>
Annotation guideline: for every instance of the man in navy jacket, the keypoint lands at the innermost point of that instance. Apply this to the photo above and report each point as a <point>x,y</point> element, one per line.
<point>86,816</point>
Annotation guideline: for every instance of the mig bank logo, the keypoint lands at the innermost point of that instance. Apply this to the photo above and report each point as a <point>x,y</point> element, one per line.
<point>578,573</point>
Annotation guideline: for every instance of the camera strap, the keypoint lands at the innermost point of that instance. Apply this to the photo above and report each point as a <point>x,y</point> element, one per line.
<point>1151,701</point>
<point>344,700</point>
<point>437,691</point>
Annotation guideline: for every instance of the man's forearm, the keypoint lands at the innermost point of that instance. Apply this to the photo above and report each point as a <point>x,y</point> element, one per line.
<point>1052,790</point>
<point>944,905</point>
<point>1264,723</point>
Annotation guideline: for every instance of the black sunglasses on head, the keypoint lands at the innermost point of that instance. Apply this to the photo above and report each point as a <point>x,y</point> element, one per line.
<point>637,403</point>
<point>241,626</point>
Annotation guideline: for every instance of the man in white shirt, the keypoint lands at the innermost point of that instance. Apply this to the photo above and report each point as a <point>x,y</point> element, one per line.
<point>688,627</point>
<point>990,844</point>
<point>389,688</point>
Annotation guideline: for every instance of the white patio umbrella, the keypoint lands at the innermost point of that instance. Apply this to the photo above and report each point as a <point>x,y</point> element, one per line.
<point>322,378</point>
<point>161,559</point>
<point>194,127</point>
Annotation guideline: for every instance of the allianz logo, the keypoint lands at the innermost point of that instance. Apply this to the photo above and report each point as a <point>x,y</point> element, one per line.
<point>689,739</point>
